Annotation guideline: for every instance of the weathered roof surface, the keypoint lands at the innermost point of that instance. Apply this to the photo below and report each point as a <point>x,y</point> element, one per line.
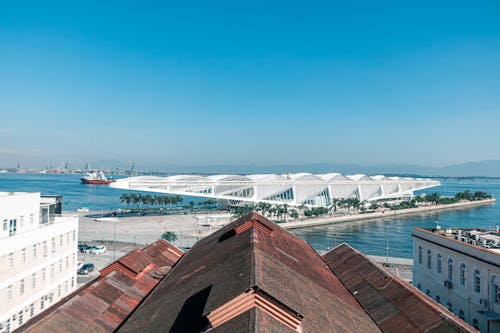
<point>395,305</point>
<point>253,276</point>
<point>104,303</point>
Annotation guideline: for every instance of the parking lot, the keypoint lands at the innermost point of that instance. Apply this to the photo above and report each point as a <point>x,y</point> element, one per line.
<point>113,252</point>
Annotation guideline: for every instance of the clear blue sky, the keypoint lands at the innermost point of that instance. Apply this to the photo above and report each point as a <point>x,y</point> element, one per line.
<point>237,82</point>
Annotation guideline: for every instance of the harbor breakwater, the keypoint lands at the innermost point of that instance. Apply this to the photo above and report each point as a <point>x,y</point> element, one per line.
<point>385,214</point>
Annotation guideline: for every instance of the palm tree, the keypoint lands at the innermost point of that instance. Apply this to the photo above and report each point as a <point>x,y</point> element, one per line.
<point>125,198</point>
<point>135,199</point>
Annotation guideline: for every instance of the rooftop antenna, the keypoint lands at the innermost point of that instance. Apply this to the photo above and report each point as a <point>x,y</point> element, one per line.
<point>387,246</point>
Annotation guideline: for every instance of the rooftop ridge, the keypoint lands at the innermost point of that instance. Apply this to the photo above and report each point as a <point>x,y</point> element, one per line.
<point>255,297</point>
<point>441,311</point>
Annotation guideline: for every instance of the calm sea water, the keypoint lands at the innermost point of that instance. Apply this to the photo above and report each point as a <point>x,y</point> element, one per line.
<point>75,194</point>
<point>367,236</point>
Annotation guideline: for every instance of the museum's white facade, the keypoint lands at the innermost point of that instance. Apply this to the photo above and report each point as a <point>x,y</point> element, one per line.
<point>292,189</point>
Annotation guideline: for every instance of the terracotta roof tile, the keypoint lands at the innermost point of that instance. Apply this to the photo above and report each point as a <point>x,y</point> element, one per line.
<point>236,259</point>
<point>103,304</point>
<point>392,303</point>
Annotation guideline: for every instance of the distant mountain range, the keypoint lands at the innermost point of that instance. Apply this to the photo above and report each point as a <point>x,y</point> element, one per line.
<point>489,168</point>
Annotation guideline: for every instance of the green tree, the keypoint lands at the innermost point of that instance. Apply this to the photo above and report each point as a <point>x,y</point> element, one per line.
<point>169,236</point>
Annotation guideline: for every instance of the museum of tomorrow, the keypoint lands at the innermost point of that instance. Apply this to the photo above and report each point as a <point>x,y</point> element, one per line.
<point>293,189</point>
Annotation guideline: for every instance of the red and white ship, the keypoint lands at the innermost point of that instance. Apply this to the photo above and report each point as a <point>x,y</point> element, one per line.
<point>96,178</point>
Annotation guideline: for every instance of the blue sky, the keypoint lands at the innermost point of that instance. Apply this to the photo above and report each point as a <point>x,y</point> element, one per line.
<point>238,82</point>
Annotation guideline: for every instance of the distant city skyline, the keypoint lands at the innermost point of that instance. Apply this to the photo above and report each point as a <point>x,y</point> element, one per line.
<point>225,83</point>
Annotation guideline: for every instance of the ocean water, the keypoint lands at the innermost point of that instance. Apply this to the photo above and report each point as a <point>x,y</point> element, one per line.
<point>368,236</point>
<point>75,194</point>
<point>372,236</point>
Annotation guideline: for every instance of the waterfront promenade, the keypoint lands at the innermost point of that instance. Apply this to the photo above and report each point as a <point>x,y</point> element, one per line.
<point>385,214</point>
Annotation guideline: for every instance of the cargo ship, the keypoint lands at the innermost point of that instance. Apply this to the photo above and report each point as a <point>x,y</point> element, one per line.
<point>96,178</point>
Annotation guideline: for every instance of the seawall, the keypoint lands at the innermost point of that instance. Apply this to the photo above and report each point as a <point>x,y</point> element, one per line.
<point>385,214</point>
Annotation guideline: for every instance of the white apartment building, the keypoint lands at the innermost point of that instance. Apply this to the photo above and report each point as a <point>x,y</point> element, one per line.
<point>460,269</point>
<point>38,250</point>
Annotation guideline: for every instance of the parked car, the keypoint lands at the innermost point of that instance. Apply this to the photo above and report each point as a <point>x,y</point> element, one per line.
<point>98,249</point>
<point>86,269</point>
<point>82,247</point>
<point>88,249</point>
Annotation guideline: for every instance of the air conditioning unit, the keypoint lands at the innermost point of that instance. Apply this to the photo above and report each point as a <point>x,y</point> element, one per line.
<point>483,302</point>
<point>448,284</point>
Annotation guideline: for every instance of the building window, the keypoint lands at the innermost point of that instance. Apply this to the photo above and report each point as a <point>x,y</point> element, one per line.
<point>32,309</point>
<point>65,286</point>
<point>23,255</point>
<point>496,290</point>
<point>438,264</point>
<point>33,280</point>
<point>34,251</point>
<point>420,255</point>
<point>20,318</point>
<point>9,293</point>
<point>72,282</point>
<point>67,238</point>
<point>450,269</point>
<point>21,222</point>
<point>74,235</point>
<point>60,266</point>
<point>419,286</point>
<point>59,291</point>
<point>477,281</point>
<point>461,315</point>
<point>11,260</point>
<point>31,218</point>
<point>12,227</point>
<point>53,245</point>
<point>438,299</point>
<point>43,274</point>
<point>45,249</point>
<point>475,323</point>
<point>449,306</point>
<point>4,225</point>
<point>51,270</point>
<point>462,274</point>
<point>67,262</point>
<point>21,287</point>
<point>428,292</point>
<point>60,240</point>
<point>429,264</point>
<point>42,303</point>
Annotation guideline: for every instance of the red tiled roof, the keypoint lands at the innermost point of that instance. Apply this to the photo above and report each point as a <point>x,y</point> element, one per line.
<point>395,305</point>
<point>103,304</point>
<point>251,253</point>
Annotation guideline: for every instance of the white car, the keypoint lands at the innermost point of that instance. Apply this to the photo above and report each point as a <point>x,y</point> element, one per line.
<point>98,250</point>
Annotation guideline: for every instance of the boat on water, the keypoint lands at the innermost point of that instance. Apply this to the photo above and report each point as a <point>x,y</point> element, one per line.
<point>96,178</point>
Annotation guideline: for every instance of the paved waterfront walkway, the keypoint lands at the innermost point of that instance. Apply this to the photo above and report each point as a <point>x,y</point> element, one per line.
<point>385,214</point>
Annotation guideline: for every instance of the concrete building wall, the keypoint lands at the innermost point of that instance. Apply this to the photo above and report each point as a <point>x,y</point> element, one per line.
<point>37,262</point>
<point>467,282</point>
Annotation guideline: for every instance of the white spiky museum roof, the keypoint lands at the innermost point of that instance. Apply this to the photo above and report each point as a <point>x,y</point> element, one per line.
<point>293,189</point>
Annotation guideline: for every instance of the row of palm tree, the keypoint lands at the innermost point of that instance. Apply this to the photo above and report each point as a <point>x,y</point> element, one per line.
<point>342,204</point>
<point>138,200</point>
<point>279,212</point>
